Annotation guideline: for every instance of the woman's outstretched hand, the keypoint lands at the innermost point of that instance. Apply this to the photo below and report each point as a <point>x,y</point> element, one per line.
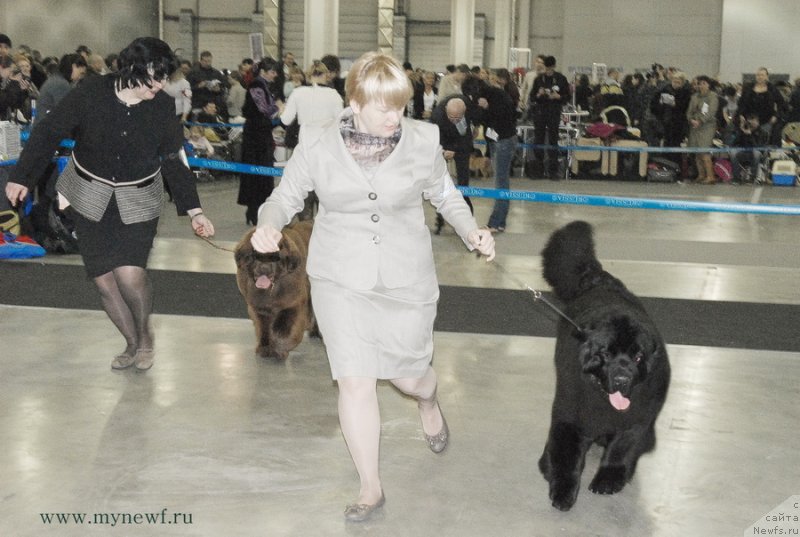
<point>483,241</point>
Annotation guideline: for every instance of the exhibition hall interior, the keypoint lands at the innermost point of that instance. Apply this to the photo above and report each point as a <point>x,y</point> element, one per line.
<point>217,439</point>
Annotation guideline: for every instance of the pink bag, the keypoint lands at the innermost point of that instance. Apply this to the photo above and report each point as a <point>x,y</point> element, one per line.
<point>723,169</point>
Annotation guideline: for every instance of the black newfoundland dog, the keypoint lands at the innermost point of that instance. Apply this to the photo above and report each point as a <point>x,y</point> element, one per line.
<point>612,375</point>
<point>277,292</point>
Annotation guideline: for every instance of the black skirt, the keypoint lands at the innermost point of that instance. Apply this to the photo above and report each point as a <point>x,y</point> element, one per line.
<point>109,243</point>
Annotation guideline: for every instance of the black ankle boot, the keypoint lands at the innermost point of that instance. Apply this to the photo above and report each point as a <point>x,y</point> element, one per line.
<point>251,216</point>
<point>439,224</point>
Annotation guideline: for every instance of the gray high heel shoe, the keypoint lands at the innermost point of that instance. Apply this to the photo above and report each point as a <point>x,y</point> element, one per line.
<point>438,442</point>
<point>359,512</point>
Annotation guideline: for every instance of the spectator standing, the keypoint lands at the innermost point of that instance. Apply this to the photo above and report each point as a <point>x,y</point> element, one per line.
<point>549,94</point>
<point>246,70</point>
<point>278,86</point>
<point>451,82</point>
<point>96,64</point>
<point>455,137</point>
<point>314,103</point>
<point>71,69</point>
<point>258,145</point>
<point>425,96</point>
<point>334,66</point>
<point>527,83</point>
<point>179,89</point>
<point>669,106</point>
<point>236,96</point>
<point>17,89</point>
<point>794,103</point>
<point>702,117</point>
<point>5,46</point>
<point>763,99</point>
<point>504,79</point>
<point>207,83</point>
<point>492,107</point>
<point>583,92</point>
<point>295,79</point>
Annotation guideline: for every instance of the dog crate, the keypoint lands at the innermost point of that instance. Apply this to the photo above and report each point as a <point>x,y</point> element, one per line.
<point>784,173</point>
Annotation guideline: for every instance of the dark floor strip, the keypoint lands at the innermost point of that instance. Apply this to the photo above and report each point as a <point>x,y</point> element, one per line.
<point>461,309</point>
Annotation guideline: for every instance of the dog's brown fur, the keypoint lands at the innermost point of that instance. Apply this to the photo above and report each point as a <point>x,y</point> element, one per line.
<point>480,166</point>
<point>281,312</point>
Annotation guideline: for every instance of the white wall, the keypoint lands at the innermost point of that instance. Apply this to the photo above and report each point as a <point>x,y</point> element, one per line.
<point>766,36</point>
<point>725,37</point>
<point>633,34</point>
<point>56,27</point>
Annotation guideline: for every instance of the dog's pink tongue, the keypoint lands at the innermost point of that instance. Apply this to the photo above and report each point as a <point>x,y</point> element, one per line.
<point>263,282</point>
<point>619,401</point>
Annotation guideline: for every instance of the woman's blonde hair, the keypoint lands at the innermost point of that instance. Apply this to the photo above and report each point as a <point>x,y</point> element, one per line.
<point>378,78</point>
<point>317,68</point>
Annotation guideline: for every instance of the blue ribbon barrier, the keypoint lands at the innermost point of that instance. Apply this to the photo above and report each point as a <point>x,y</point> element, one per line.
<point>546,197</point>
<point>629,203</point>
<point>235,167</point>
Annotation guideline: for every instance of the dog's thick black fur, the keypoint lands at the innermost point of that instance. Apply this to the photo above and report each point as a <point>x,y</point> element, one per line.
<point>611,376</point>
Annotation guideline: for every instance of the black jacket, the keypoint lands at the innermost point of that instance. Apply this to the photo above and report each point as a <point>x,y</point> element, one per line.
<point>501,114</point>
<point>113,141</point>
<point>449,137</point>
<point>555,82</point>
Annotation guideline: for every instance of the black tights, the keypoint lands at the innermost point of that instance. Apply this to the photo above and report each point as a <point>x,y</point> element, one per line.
<point>128,300</point>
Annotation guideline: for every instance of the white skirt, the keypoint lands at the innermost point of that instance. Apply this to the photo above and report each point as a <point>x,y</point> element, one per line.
<point>379,333</point>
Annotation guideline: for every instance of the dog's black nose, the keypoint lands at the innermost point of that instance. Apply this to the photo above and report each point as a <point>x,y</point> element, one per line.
<point>621,383</point>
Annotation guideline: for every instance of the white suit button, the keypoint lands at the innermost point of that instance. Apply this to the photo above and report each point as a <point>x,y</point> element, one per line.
<point>375,217</point>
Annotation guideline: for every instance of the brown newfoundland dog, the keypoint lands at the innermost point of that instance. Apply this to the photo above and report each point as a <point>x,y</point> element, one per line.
<point>276,289</point>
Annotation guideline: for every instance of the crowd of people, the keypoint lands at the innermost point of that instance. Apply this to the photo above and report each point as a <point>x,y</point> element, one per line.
<point>656,102</point>
<point>664,106</point>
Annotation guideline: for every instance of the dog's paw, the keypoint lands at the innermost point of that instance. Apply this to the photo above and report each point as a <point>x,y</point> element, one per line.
<point>609,480</point>
<point>544,466</point>
<point>564,493</point>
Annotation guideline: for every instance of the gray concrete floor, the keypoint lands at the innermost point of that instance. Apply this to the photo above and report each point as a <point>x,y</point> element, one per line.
<point>241,446</point>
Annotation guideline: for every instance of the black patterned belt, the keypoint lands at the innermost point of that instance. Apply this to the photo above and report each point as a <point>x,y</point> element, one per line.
<point>138,183</point>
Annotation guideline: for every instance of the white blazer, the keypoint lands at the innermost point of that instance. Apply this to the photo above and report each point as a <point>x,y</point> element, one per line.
<point>369,229</point>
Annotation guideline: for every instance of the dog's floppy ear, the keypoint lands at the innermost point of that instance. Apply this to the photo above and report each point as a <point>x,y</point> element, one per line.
<point>591,355</point>
<point>242,252</point>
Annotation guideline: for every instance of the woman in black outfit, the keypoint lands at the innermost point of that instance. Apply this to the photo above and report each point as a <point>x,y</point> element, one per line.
<point>258,145</point>
<point>763,99</point>
<point>127,137</point>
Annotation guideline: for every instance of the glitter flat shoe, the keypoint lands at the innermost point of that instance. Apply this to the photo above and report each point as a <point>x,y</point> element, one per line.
<point>438,442</point>
<point>144,359</point>
<point>122,361</point>
<point>359,512</point>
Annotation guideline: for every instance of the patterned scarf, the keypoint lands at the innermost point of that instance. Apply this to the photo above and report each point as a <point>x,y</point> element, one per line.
<point>367,150</point>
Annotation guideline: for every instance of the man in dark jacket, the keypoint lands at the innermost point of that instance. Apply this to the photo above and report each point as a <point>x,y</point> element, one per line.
<point>455,137</point>
<point>669,105</point>
<point>549,94</point>
<point>208,84</point>
<point>493,108</point>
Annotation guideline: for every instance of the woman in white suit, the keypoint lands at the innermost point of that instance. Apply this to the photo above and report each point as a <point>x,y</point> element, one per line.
<point>370,261</point>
